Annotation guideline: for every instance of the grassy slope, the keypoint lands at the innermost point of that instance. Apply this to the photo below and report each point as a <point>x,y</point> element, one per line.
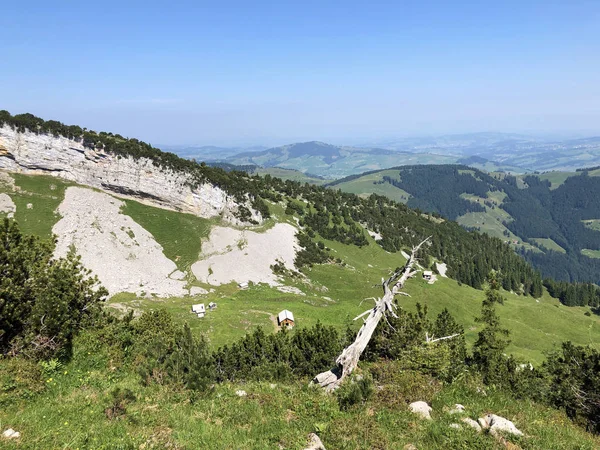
<point>289,174</point>
<point>592,224</point>
<point>44,193</point>
<point>333,292</point>
<point>558,178</point>
<point>71,414</point>
<point>549,244</point>
<point>179,234</point>
<point>364,186</point>
<point>492,220</point>
<point>536,326</point>
<point>590,253</point>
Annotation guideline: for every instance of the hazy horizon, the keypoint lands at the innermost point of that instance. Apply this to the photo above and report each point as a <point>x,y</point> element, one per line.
<point>245,74</point>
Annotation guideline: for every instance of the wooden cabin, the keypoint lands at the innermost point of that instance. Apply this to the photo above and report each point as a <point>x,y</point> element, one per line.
<point>285,318</point>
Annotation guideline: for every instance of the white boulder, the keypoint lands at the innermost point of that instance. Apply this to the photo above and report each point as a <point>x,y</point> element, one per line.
<point>7,205</point>
<point>497,424</point>
<point>314,442</point>
<point>422,409</point>
<point>457,409</point>
<point>472,423</point>
<point>11,434</point>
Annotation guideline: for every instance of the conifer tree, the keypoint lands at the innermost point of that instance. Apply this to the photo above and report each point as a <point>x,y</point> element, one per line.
<point>492,341</point>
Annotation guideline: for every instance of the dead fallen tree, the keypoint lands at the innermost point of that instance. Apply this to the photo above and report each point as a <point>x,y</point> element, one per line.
<point>348,359</point>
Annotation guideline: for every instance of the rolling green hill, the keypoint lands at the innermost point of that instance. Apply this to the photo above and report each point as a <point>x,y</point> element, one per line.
<point>550,218</point>
<point>330,161</point>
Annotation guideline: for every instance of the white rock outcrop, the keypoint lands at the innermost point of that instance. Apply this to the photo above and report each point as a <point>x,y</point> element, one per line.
<point>442,268</point>
<point>124,256</point>
<point>472,423</point>
<point>11,434</point>
<point>242,256</point>
<point>137,178</point>
<point>497,424</point>
<point>7,205</point>
<point>314,442</point>
<point>422,409</point>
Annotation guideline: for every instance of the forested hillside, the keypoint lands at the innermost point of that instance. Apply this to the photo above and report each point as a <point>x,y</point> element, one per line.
<point>554,227</point>
<point>332,214</point>
<point>144,372</point>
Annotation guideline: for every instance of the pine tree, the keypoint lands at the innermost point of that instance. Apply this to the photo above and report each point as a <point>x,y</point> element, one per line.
<point>492,341</point>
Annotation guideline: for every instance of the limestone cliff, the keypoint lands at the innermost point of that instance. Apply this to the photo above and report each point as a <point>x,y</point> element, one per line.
<point>31,153</point>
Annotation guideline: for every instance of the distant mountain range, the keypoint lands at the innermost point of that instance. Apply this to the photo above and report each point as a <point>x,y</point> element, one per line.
<point>487,151</point>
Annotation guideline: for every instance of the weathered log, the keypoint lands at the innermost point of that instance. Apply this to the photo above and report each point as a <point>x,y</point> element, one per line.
<point>348,359</point>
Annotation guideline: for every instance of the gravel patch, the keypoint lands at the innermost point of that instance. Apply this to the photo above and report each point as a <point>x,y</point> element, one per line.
<point>123,255</point>
<point>442,269</point>
<point>242,255</point>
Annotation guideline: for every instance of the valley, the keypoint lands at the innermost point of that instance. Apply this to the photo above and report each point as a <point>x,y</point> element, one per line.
<point>329,293</point>
<point>149,372</point>
<point>490,152</point>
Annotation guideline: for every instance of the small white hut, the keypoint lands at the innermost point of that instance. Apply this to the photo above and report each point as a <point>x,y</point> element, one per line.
<point>199,309</point>
<point>285,318</point>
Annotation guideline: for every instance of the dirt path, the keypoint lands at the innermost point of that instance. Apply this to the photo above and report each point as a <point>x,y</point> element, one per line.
<point>272,318</point>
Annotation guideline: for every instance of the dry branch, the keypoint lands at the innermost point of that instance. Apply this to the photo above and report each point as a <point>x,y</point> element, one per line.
<point>348,359</point>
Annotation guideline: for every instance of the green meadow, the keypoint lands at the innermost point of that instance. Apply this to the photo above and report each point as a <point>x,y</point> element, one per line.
<point>334,293</point>
<point>69,407</point>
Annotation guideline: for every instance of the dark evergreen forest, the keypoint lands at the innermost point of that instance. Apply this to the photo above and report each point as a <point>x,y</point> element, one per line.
<point>537,211</point>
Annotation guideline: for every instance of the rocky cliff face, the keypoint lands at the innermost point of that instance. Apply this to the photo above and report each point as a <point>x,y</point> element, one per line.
<point>138,178</point>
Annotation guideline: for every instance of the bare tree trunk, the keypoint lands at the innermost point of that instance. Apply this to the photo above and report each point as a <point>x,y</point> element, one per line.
<point>348,359</point>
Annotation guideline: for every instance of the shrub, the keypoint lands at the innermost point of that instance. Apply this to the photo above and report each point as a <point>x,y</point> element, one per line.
<point>19,378</point>
<point>44,301</point>
<point>354,391</point>
<point>399,387</point>
<point>119,399</point>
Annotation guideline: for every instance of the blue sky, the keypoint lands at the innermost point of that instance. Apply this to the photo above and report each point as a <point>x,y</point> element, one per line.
<point>241,73</point>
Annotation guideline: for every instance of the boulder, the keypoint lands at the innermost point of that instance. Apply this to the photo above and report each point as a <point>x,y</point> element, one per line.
<point>11,434</point>
<point>314,442</point>
<point>421,409</point>
<point>472,423</point>
<point>455,426</point>
<point>497,424</point>
<point>241,393</point>
<point>457,409</point>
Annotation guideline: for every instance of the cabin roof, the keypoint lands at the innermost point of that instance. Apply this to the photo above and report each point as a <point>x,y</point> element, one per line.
<point>285,314</point>
<point>198,308</point>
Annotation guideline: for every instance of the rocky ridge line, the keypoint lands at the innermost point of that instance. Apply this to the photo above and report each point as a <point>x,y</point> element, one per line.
<point>31,153</point>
